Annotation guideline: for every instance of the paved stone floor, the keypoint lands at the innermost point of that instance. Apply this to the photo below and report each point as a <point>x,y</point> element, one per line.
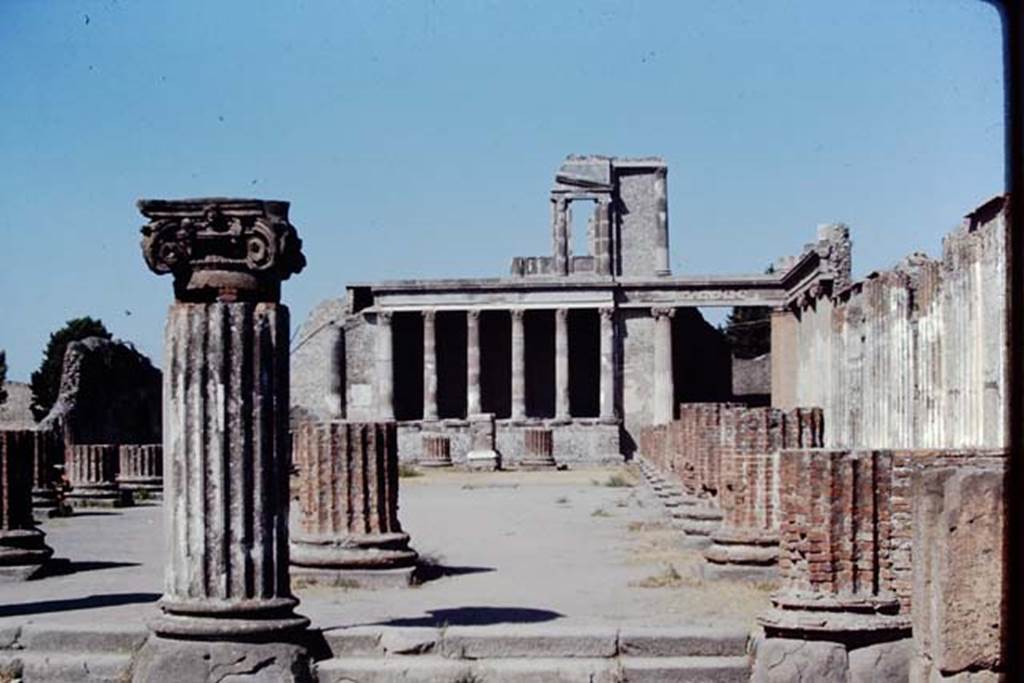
<point>507,548</point>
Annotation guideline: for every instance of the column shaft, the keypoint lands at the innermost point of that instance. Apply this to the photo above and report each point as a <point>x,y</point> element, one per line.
<point>664,389</point>
<point>429,366</point>
<point>603,237</point>
<point>385,367</point>
<point>518,365</point>
<point>472,363</point>
<point>562,364</point>
<point>661,254</point>
<point>607,386</point>
<point>226,408</point>
<point>560,231</point>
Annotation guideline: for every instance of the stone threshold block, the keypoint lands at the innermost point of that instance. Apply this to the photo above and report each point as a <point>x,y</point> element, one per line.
<point>23,551</point>
<point>437,451</point>
<point>92,473</point>
<point>348,533</point>
<point>141,469</point>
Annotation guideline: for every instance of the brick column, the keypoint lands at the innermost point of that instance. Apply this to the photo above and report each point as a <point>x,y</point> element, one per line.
<point>141,468</point>
<point>348,530</point>
<point>436,451</point>
<point>23,551</point>
<point>227,597</point>
<point>92,472</point>
<point>607,381</point>
<point>385,367</point>
<point>472,362</point>
<point>836,569</point>
<point>562,365</point>
<point>518,365</point>
<point>538,449</point>
<point>662,382</point>
<point>429,365</point>
<point>745,546</point>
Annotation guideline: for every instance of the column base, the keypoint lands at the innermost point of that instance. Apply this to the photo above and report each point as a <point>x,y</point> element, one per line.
<point>169,660</point>
<point>100,498</point>
<point>23,553</point>
<point>423,462</point>
<point>152,486</point>
<point>367,552</point>
<point>269,618</point>
<point>402,577</point>
<point>488,460</point>
<point>748,555</point>
<point>697,521</point>
<point>837,618</point>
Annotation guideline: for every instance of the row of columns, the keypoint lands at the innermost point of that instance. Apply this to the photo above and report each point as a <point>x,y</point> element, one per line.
<point>385,374</point>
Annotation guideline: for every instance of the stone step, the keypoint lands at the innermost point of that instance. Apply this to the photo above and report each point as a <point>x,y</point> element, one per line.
<point>58,667</point>
<point>106,639</point>
<point>434,669</point>
<point>548,641</point>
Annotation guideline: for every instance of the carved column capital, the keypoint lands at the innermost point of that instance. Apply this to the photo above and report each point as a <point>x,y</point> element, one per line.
<point>221,249</point>
<point>384,317</point>
<point>561,314</point>
<point>473,314</point>
<point>663,311</point>
<point>429,315</point>
<point>518,314</point>
<point>607,313</point>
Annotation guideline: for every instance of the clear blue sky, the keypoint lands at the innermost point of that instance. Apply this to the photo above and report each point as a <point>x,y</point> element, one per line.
<point>419,139</point>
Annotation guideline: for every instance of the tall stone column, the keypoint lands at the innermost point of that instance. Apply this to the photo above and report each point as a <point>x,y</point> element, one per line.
<point>227,605</point>
<point>472,362</point>
<point>661,253</point>
<point>785,363</point>
<point>562,365</point>
<point>664,388</point>
<point>348,531</point>
<point>560,233</point>
<point>429,365</point>
<point>518,365</point>
<point>22,548</point>
<point>607,383</point>
<point>385,367</point>
<point>603,236</point>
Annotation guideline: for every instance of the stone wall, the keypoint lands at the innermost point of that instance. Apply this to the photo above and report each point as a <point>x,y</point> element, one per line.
<point>109,393</point>
<point>15,412</point>
<point>913,357</point>
<point>317,359</point>
<point>752,378</point>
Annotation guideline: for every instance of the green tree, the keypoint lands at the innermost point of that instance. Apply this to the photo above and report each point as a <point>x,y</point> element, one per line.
<point>3,377</point>
<point>749,331</point>
<point>46,380</point>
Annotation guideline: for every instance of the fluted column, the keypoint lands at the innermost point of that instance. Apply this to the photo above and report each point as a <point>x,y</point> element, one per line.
<point>385,367</point>
<point>661,252</point>
<point>141,468</point>
<point>429,365</point>
<point>562,364</point>
<point>518,365</point>
<point>472,362</point>
<point>664,389</point>
<point>607,380</point>
<point>92,472</point>
<point>348,531</point>
<point>46,452</point>
<point>560,233</point>
<point>22,548</point>
<point>226,438</point>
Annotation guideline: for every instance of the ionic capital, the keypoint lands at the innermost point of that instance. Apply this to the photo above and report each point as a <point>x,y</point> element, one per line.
<point>663,311</point>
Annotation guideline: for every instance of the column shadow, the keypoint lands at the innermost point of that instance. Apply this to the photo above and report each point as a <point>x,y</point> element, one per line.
<point>71,604</point>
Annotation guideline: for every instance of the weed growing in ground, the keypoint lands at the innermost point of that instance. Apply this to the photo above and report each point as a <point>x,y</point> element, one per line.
<point>561,500</point>
<point>600,512</point>
<point>669,577</point>
<point>616,481</point>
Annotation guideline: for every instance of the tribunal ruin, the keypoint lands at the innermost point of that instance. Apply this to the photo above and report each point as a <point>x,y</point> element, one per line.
<point>593,346</point>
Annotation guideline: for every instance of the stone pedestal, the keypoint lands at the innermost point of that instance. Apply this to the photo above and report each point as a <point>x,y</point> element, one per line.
<point>141,469</point>
<point>437,451</point>
<point>538,449</point>
<point>482,454</point>
<point>746,544</point>
<point>23,551</point>
<point>836,571</point>
<point>92,473</point>
<point>227,606</point>
<point>47,452</point>
<point>348,532</point>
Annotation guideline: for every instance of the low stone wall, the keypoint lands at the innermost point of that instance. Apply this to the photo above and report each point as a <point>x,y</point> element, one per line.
<point>580,442</point>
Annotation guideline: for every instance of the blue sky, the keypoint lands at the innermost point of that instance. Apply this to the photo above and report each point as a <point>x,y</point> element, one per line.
<point>419,139</point>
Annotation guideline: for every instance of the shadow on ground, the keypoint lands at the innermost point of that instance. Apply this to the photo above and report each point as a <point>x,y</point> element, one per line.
<point>428,570</point>
<point>88,602</point>
<point>62,567</point>
<point>477,616</point>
